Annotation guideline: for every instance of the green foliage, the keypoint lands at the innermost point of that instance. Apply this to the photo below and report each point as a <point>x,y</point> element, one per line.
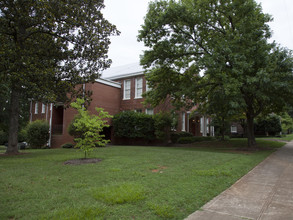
<point>22,135</point>
<point>120,193</point>
<point>59,45</point>
<point>269,125</point>
<point>37,133</point>
<point>67,145</point>
<point>188,140</point>
<point>215,50</point>
<point>162,125</point>
<point>287,123</point>
<point>88,127</point>
<point>176,136</point>
<point>3,137</point>
<point>131,124</point>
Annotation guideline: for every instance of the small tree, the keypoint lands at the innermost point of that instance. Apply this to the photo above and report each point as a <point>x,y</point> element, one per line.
<point>90,127</point>
<point>37,133</point>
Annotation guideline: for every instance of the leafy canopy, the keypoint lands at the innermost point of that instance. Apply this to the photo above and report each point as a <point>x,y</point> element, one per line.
<point>200,47</point>
<point>48,47</point>
<point>89,127</point>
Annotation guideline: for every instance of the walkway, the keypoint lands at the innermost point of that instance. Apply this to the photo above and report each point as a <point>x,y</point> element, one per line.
<point>265,193</point>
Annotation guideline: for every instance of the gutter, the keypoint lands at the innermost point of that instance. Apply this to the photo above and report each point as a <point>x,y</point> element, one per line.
<point>50,126</point>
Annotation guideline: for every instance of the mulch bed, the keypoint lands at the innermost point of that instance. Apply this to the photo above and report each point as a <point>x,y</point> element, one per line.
<point>82,161</point>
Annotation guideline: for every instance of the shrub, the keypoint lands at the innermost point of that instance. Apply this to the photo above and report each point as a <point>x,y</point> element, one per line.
<point>22,135</point>
<point>131,124</point>
<point>37,133</point>
<point>3,137</point>
<point>162,123</point>
<point>176,136</point>
<point>67,145</point>
<point>88,127</point>
<point>188,140</point>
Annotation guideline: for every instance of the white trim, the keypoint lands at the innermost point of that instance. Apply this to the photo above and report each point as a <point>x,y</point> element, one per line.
<point>109,82</point>
<point>183,122</point>
<point>127,75</point>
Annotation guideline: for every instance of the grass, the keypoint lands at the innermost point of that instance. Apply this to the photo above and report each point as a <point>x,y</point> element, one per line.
<point>129,183</point>
<point>287,138</point>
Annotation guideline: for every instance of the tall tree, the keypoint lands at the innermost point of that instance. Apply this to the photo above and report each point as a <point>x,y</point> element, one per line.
<point>197,46</point>
<point>49,46</point>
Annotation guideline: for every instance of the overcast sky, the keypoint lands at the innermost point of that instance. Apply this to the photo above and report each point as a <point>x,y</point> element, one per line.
<point>128,16</point>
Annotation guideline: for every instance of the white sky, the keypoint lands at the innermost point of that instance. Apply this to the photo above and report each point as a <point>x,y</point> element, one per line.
<point>128,16</point>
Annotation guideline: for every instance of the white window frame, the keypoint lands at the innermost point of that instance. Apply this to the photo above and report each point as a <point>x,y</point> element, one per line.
<point>183,122</point>
<point>127,89</point>
<point>149,111</point>
<point>233,129</point>
<point>43,108</point>
<point>36,108</point>
<point>138,87</point>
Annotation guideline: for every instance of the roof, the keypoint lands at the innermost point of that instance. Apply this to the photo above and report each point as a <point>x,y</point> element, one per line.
<point>124,71</point>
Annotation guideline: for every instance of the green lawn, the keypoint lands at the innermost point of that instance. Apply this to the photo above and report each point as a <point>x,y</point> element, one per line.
<point>288,137</point>
<point>129,183</point>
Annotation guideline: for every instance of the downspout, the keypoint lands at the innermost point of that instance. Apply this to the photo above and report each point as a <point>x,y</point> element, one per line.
<point>31,114</point>
<point>47,112</point>
<point>50,126</point>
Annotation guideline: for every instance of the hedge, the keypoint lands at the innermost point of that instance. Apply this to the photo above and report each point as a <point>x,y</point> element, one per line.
<point>188,140</point>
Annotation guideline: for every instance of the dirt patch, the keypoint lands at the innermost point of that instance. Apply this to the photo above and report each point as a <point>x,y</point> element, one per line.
<point>159,169</point>
<point>82,161</point>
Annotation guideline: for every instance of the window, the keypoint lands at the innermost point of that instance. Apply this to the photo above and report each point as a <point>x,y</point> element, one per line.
<point>138,87</point>
<point>147,88</point>
<point>183,121</point>
<point>138,110</point>
<point>36,108</point>
<point>127,89</point>
<point>233,129</point>
<point>43,108</point>
<point>149,111</point>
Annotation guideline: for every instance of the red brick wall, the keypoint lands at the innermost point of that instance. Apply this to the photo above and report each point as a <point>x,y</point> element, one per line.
<point>40,115</point>
<point>103,96</point>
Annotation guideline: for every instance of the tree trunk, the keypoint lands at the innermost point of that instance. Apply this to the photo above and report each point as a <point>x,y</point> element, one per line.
<point>13,123</point>
<point>250,131</point>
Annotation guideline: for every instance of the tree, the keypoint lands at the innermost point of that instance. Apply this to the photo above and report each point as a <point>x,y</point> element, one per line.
<point>37,133</point>
<point>89,127</point>
<point>286,123</point>
<point>48,47</point>
<point>199,46</point>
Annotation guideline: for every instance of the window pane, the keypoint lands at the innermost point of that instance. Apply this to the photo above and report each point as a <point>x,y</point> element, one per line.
<point>127,89</point>
<point>149,111</point>
<point>138,87</point>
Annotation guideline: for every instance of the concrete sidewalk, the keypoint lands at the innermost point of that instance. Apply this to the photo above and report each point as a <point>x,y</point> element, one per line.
<point>265,193</point>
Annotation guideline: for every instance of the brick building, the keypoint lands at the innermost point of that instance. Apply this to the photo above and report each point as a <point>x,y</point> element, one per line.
<point>119,89</point>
